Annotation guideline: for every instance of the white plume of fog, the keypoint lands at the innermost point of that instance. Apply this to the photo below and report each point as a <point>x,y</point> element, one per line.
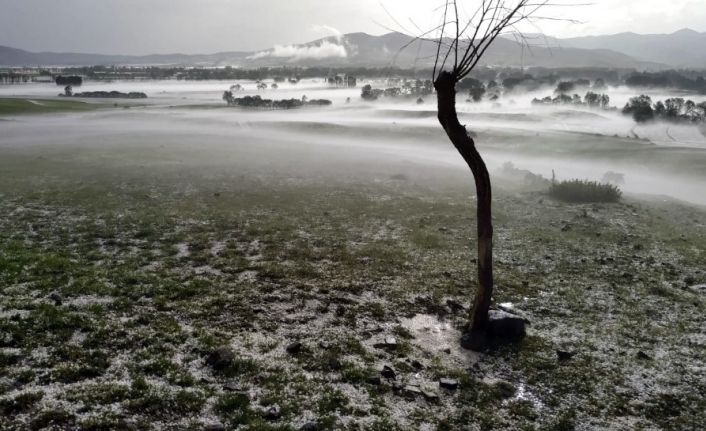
<point>301,52</point>
<point>327,29</point>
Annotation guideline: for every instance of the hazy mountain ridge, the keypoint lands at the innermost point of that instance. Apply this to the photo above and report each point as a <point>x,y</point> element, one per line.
<point>685,48</point>
<point>17,57</point>
<point>625,50</point>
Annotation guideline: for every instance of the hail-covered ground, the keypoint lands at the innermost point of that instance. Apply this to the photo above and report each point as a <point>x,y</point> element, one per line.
<point>183,265</point>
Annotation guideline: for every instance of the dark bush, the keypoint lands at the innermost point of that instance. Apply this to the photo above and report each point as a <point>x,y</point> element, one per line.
<point>640,108</point>
<point>577,191</point>
<point>259,102</point>
<point>73,80</point>
<point>112,95</point>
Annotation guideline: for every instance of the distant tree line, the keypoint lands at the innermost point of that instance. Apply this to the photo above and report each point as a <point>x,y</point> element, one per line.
<point>279,74</point>
<point>259,102</point>
<point>509,78</point>
<point>68,92</point>
<point>492,90</point>
<point>591,99</point>
<point>408,89</point>
<point>111,95</point>
<point>675,110</point>
<point>682,80</point>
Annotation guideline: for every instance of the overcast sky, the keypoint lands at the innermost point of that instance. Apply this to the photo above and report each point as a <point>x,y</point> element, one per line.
<point>207,26</point>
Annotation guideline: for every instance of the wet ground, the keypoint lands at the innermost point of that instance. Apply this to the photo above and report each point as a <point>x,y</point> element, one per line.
<point>177,268</point>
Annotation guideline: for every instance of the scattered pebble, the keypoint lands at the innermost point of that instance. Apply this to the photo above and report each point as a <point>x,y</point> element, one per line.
<point>644,356</point>
<point>388,373</point>
<point>220,358</point>
<point>272,413</point>
<point>450,384</point>
<point>294,348</point>
<point>563,355</point>
<point>56,298</point>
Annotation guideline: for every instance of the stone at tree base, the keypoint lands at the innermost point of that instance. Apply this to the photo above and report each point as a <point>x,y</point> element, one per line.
<point>310,426</point>
<point>502,324</point>
<point>502,328</point>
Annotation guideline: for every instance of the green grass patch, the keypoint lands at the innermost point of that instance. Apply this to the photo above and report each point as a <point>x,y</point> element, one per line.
<point>41,106</point>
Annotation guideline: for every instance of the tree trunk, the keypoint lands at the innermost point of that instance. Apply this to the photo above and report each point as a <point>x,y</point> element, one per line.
<point>445,86</point>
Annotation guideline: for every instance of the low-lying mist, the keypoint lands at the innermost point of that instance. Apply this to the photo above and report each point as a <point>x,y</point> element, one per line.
<point>359,141</point>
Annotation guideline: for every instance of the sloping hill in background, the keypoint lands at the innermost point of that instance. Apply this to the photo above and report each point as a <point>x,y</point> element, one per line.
<point>18,57</point>
<point>683,49</point>
<point>364,50</point>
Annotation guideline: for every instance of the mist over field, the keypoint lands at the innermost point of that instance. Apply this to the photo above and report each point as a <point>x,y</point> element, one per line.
<point>338,235</point>
<point>662,160</point>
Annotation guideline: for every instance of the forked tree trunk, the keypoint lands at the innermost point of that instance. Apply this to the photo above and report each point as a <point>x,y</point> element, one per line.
<point>445,86</point>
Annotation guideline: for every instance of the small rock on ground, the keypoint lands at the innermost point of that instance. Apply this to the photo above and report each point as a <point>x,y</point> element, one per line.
<point>310,426</point>
<point>294,348</point>
<point>388,373</point>
<point>220,358</point>
<point>451,384</point>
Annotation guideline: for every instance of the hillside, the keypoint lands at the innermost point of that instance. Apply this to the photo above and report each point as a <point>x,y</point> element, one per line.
<point>17,57</point>
<point>682,49</point>
<point>358,49</point>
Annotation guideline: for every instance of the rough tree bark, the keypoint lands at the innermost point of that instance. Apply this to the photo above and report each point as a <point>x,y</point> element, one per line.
<point>460,50</point>
<point>445,85</point>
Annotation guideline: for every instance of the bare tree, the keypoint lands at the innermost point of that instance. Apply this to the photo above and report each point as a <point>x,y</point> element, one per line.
<point>460,46</point>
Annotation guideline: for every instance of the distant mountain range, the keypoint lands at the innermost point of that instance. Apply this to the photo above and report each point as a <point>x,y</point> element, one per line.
<point>683,49</point>
<point>17,57</point>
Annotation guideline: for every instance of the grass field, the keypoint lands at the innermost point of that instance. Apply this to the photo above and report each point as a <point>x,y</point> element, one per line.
<point>26,106</point>
<point>123,271</point>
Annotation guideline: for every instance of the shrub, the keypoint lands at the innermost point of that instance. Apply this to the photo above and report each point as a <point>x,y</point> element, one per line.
<point>640,108</point>
<point>584,191</point>
<point>73,80</point>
